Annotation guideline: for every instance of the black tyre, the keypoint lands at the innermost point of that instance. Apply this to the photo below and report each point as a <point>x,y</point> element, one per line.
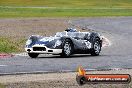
<point>67,48</point>
<point>96,48</point>
<point>33,55</point>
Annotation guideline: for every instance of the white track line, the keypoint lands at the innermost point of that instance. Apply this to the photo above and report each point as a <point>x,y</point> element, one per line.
<point>45,7</point>
<point>21,54</point>
<point>25,7</point>
<point>3,65</point>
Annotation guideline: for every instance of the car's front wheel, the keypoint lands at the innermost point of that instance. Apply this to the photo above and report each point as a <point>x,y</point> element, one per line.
<point>96,48</point>
<point>33,55</point>
<point>67,48</point>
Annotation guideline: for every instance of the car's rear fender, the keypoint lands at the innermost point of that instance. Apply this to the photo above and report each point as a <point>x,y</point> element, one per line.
<point>95,36</point>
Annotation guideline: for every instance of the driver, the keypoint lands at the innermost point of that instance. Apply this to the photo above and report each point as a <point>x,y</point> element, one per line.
<point>71,30</point>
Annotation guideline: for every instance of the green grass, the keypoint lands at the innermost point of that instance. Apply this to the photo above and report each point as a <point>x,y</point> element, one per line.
<point>62,12</point>
<point>2,86</point>
<point>7,46</point>
<point>65,8</point>
<point>68,3</point>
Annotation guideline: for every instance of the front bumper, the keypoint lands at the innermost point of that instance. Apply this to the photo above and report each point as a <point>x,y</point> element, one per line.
<point>42,50</point>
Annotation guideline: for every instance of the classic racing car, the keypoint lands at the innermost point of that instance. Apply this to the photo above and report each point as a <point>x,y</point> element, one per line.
<point>65,44</point>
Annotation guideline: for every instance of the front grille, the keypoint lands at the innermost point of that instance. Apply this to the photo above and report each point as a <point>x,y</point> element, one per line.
<point>50,50</point>
<point>39,49</point>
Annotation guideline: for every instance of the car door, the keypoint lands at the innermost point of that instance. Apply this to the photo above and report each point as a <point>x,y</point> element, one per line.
<point>80,42</point>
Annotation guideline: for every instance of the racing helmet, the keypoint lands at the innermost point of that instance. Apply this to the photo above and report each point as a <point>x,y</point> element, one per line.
<point>71,30</point>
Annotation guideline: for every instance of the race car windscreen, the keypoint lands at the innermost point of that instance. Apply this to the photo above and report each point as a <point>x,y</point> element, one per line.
<point>70,34</point>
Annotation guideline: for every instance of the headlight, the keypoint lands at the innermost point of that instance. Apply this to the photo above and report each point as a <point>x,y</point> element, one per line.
<point>28,42</point>
<point>57,43</point>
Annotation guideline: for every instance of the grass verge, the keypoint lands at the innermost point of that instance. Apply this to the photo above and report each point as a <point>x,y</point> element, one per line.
<point>7,46</point>
<point>68,3</point>
<point>2,86</point>
<point>63,12</point>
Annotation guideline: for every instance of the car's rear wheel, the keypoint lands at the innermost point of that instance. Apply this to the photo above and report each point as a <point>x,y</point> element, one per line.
<point>67,48</point>
<point>33,55</point>
<point>96,48</point>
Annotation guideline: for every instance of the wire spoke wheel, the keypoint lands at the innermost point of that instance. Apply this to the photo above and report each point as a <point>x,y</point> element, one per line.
<point>67,48</point>
<point>97,47</point>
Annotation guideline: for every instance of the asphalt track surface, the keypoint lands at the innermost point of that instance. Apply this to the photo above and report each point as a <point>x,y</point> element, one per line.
<point>117,56</point>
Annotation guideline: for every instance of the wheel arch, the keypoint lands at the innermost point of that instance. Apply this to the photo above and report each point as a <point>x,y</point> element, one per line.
<point>94,36</point>
<point>63,54</point>
<point>67,38</point>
